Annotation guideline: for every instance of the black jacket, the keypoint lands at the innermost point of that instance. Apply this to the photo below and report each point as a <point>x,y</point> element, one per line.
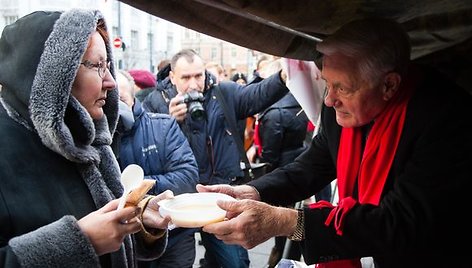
<point>282,131</point>
<point>212,139</point>
<point>420,219</point>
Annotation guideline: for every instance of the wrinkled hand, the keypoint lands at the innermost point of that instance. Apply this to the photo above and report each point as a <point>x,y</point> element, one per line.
<point>251,223</point>
<point>107,227</point>
<point>151,216</point>
<point>177,108</point>
<point>238,192</point>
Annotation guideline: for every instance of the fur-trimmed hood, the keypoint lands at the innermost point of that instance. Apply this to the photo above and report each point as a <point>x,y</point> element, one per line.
<point>40,55</point>
<point>37,70</point>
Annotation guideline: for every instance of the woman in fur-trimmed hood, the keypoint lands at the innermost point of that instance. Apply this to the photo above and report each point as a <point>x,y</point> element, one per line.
<point>59,180</point>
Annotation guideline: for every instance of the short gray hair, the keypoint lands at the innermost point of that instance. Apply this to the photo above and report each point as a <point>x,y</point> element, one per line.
<point>188,54</point>
<point>377,45</point>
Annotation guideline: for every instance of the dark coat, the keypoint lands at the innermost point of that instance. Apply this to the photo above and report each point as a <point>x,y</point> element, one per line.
<point>282,131</point>
<point>158,100</point>
<point>157,144</point>
<point>420,219</point>
<point>56,163</point>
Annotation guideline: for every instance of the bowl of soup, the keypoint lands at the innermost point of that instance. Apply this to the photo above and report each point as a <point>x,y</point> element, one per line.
<point>194,209</point>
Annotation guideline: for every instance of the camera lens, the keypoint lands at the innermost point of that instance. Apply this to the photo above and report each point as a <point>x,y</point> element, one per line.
<point>194,100</point>
<point>196,110</point>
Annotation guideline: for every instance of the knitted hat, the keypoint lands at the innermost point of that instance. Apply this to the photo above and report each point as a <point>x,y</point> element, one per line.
<point>143,78</point>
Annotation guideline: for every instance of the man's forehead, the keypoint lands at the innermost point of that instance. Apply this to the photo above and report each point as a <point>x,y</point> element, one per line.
<point>190,74</point>
<point>183,67</point>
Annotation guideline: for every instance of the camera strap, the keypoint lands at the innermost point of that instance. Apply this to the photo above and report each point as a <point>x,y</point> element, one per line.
<point>232,127</point>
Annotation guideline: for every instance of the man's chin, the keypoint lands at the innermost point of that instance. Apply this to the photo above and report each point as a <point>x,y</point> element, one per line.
<point>344,120</point>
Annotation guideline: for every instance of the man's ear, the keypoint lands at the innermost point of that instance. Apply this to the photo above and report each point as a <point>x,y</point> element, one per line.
<point>391,85</point>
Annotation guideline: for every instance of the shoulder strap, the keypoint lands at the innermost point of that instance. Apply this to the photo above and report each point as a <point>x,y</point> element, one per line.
<point>233,128</point>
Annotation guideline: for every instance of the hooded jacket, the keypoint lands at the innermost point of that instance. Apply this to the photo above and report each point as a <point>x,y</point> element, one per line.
<point>56,164</point>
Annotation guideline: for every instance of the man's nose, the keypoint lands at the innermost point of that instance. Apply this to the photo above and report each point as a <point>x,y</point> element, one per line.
<point>193,83</point>
<point>331,98</point>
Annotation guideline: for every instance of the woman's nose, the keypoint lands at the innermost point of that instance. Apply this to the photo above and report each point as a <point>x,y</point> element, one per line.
<point>109,82</point>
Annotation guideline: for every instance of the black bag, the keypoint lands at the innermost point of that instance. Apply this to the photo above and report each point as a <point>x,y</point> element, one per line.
<point>251,170</point>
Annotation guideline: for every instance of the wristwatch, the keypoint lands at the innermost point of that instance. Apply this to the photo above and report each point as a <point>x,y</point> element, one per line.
<point>299,233</point>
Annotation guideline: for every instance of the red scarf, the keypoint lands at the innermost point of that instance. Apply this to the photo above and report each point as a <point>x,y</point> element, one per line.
<point>370,168</point>
<point>257,138</point>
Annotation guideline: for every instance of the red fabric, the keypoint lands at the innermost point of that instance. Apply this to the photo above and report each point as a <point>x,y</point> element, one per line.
<point>257,139</point>
<point>310,127</point>
<point>143,78</point>
<point>337,214</point>
<point>370,168</point>
<point>340,264</point>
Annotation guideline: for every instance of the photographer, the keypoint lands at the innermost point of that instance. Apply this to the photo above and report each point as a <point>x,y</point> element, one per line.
<point>210,136</point>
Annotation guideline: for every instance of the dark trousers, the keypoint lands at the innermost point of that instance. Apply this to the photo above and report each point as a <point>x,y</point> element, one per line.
<point>226,256</point>
<point>180,251</point>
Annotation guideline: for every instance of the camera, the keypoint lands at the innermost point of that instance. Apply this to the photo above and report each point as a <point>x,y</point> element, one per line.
<point>194,100</point>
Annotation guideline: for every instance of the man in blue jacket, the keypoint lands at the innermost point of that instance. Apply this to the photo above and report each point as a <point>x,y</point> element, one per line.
<point>156,143</point>
<point>210,136</point>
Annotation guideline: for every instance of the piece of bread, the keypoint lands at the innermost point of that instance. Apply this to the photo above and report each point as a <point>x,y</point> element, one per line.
<point>138,194</point>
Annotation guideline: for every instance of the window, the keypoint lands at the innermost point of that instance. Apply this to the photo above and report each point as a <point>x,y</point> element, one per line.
<point>169,42</point>
<point>134,39</point>
<point>150,38</point>
<point>213,53</point>
<point>10,19</point>
<point>114,32</point>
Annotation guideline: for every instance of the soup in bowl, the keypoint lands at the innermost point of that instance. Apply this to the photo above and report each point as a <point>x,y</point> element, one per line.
<point>194,209</point>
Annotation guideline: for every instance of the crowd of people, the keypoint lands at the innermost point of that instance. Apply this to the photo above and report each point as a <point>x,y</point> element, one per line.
<point>396,136</point>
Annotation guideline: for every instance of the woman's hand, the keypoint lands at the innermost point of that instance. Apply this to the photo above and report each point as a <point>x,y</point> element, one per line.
<point>107,227</point>
<point>151,216</point>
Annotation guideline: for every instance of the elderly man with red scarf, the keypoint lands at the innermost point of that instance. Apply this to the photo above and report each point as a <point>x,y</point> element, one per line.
<point>397,137</point>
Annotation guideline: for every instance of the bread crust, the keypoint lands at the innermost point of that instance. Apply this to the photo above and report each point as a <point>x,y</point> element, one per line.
<point>139,193</point>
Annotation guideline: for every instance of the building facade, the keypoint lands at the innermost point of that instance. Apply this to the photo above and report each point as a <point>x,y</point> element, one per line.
<point>145,39</point>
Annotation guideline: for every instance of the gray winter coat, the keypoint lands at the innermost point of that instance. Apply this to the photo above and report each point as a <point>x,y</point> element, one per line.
<point>56,164</point>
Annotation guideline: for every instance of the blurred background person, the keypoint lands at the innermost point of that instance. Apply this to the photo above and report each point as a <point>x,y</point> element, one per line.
<point>239,78</point>
<point>281,134</point>
<point>213,144</point>
<point>217,70</point>
<point>156,143</point>
<point>144,82</point>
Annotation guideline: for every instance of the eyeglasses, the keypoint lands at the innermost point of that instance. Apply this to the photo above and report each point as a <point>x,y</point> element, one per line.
<point>101,66</point>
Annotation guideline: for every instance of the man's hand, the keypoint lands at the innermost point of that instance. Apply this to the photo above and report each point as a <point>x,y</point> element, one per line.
<point>238,192</point>
<point>177,108</point>
<point>251,223</point>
